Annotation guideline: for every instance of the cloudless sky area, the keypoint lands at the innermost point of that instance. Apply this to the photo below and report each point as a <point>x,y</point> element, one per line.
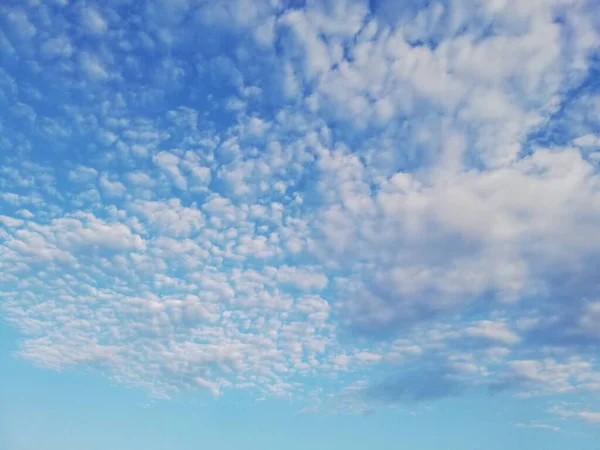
<point>290,224</point>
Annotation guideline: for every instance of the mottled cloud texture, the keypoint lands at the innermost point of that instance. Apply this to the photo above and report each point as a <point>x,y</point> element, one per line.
<point>395,202</point>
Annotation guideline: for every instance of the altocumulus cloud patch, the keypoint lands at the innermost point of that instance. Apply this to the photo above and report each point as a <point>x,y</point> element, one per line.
<point>262,196</point>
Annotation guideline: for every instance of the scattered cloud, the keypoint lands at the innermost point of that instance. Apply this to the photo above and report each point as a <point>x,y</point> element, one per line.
<point>400,201</point>
<point>539,426</point>
<point>591,417</point>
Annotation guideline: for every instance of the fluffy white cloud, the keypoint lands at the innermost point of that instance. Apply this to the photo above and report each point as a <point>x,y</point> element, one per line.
<point>57,47</point>
<point>493,331</point>
<point>353,189</point>
<point>92,21</point>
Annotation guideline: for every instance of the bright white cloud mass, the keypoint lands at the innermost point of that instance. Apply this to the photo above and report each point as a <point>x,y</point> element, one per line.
<point>347,205</point>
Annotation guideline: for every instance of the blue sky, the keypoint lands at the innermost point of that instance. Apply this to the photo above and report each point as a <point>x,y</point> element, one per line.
<point>267,224</point>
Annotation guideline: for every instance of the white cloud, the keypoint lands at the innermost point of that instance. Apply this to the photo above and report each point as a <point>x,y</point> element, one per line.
<point>550,376</point>
<point>305,279</point>
<point>57,47</point>
<point>212,387</point>
<point>83,174</point>
<point>170,217</point>
<point>587,416</point>
<point>111,188</point>
<point>539,425</point>
<point>347,191</point>
<point>169,163</point>
<point>10,222</point>
<point>20,23</point>
<point>25,213</point>
<point>92,66</point>
<point>503,214</point>
<point>92,21</point>
<point>493,331</point>
<point>588,140</point>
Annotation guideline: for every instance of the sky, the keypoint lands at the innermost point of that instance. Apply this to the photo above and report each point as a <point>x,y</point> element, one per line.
<point>251,224</point>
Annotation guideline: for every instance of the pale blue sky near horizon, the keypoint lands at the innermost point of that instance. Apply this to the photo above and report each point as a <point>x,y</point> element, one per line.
<point>67,410</point>
<point>256,224</point>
